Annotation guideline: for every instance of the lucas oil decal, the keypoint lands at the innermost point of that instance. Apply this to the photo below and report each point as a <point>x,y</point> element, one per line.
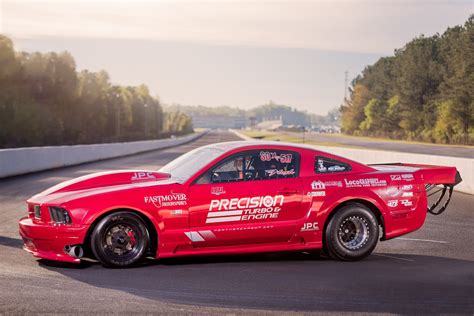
<point>244,209</point>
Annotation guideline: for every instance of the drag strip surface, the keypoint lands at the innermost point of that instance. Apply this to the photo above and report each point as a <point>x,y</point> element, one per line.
<point>429,271</point>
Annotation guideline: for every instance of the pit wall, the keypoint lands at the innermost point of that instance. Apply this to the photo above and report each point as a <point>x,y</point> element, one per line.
<point>17,161</point>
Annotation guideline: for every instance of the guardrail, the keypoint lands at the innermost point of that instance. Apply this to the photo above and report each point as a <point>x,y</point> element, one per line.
<point>17,161</point>
<point>465,166</point>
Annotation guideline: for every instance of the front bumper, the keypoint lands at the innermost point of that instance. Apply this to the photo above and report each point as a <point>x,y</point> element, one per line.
<point>47,241</point>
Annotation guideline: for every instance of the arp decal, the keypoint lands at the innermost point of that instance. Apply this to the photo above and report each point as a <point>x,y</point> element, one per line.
<point>367,182</point>
<point>172,199</point>
<point>244,209</point>
<point>282,158</point>
<point>406,202</point>
<point>273,172</point>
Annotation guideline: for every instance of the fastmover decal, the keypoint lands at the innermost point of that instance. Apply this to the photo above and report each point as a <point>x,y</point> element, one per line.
<point>173,199</point>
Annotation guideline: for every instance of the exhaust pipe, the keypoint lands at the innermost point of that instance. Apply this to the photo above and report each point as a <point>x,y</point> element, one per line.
<point>74,251</point>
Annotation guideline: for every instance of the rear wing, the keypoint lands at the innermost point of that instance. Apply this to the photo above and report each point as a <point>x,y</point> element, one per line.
<point>438,181</point>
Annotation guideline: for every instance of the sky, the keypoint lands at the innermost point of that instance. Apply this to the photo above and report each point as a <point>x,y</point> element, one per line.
<point>238,53</point>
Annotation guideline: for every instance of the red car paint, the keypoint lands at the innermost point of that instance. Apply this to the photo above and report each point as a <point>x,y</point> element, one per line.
<point>286,211</point>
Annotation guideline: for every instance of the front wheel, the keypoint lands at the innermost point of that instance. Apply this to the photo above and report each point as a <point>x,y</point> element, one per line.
<point>352,233</point>
<point>120,240</point>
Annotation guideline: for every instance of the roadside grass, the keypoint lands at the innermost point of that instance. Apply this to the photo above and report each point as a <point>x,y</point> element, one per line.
<point>293,138</point>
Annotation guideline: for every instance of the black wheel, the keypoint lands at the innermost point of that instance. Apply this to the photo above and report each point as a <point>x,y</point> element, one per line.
<point>120,240</point>
<point>352,233</point>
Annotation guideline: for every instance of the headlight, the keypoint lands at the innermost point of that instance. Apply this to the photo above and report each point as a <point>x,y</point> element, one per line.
<point>59,215</point>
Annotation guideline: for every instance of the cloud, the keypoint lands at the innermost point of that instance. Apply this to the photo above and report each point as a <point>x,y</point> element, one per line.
<point>352,26</point>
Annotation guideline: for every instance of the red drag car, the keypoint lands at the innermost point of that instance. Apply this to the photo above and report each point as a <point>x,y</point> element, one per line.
<point>235,197</point>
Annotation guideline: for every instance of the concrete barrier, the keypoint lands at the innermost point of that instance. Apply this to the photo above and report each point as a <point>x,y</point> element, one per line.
<point>17,161</point>
<point>465,166</point>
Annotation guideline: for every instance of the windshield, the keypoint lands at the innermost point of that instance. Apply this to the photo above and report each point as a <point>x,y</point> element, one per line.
<point>183,167</point>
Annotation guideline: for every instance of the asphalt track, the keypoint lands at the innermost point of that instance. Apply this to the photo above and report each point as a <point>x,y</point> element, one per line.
<point>429,271</point>
<point>399,146</point>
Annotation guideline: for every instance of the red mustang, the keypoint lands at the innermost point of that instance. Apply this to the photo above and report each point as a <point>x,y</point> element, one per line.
<point>235,197</point>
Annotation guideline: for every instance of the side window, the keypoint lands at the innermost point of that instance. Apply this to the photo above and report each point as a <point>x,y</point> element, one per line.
<point>254,165</point>
<point>328,165</point>
<point>277,164</point>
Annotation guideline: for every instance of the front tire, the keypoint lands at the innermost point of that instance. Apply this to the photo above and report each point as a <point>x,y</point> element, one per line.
<point>352,233</point>
<point>120,240</point>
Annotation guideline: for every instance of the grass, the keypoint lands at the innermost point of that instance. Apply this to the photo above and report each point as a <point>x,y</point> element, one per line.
<point>292,138</point>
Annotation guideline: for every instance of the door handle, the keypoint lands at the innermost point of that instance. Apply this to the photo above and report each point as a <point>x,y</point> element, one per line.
<point>287,191</point>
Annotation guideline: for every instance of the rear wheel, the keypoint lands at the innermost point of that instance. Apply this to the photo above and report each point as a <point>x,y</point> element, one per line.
<point>352,233</point>
<point>120,240</point>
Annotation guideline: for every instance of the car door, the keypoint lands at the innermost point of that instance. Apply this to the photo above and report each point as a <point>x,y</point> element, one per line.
<point>248,198</point>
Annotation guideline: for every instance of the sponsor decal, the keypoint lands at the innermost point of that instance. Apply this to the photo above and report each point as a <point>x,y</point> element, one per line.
<point>310,227</point>
<point>366,182</point>
<point>392,203</point>
<point>407,177</point>
<point>176,212</point>
<point>282,158</point>
<point>407,194</point>
<point>244,209</point>
<point>142,176</point>
<point>336,168</point>
<point>217,190</point>
<point>317,193</point>
<point>333,184</point>
<point>392,191</point>
<point>277,172</point>
<point>395,177</point>
<point>243,228</point>
<point>406,202</point>
<point>173,199</point>
<point>407,187</point>
<point>321,167</point>
<point>318,185</point>
<point>201,235</point>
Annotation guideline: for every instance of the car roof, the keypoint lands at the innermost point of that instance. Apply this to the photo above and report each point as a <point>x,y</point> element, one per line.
<point>232,145</point>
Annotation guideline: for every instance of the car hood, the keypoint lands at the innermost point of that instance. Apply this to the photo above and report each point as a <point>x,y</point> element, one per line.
<point>100,182</point>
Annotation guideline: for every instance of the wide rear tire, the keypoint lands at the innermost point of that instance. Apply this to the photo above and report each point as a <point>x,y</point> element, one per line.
<point>120,240</point>
<point>352,233</point>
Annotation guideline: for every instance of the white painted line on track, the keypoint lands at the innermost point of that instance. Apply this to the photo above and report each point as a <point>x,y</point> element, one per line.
<point>393,257</point>
<point>424,240</point>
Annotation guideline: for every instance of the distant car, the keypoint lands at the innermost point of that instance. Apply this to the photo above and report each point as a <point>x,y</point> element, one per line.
<point>234,197</point>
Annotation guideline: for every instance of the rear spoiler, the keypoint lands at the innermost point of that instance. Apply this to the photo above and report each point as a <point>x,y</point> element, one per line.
<point>438,180</point>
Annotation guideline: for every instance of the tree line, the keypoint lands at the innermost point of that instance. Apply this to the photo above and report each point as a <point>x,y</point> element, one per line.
<point>44,100</point>
<point>271,110</point>
<point>424,92</point>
